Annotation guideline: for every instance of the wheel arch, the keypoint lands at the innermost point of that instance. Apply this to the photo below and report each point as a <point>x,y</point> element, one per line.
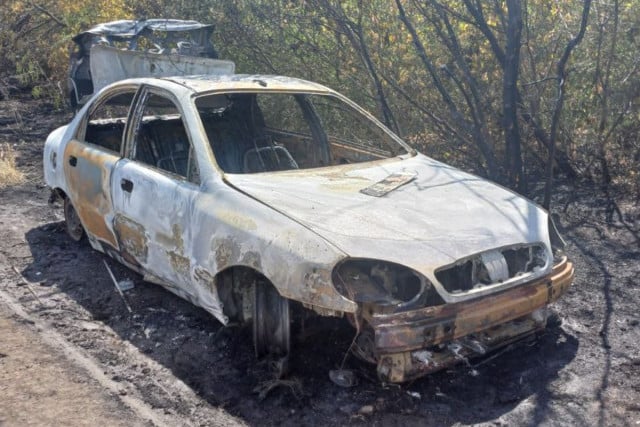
<point>234,284</point>
<point>57,193</point>
<point>248,296</point>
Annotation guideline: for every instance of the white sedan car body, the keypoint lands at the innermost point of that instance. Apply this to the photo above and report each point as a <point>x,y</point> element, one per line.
<point>241,193</point>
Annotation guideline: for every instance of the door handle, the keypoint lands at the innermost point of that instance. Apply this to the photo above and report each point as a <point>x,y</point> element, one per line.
<point>126,185</point>
<point>73,161</point>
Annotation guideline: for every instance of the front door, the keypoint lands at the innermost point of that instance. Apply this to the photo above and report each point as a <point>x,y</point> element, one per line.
<point>154,191</point>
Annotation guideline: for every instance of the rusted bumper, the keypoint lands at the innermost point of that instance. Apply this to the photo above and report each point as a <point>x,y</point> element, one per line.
<point>412,344</point>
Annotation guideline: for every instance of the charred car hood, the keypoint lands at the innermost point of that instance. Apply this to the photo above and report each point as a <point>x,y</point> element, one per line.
<point>439,216</point>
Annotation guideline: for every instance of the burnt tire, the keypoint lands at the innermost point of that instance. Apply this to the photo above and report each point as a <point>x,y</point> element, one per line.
<point>72,223</point>
<point>271,321</point>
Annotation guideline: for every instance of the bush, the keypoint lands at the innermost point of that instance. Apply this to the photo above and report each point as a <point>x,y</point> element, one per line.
<point>9,174</point>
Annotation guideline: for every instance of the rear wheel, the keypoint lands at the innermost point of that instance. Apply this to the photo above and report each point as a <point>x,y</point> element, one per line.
<point>271,321</point>
<point>72,221</point>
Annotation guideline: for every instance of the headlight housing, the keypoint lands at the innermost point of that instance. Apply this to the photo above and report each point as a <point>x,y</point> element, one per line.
<point>384,287</point>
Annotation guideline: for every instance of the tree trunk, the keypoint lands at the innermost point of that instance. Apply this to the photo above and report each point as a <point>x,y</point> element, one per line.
<point>513,154</point>
<point>561,76</point>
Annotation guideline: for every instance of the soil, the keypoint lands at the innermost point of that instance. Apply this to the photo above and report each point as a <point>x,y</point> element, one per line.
<point>51,388</point>
<point>170,363</point>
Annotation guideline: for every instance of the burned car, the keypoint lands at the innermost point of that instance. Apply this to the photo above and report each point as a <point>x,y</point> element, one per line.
<point>112,51</point>
<point>245,193</point>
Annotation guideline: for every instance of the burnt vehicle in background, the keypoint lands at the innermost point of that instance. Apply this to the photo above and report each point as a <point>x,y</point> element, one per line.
<point>124,44</point>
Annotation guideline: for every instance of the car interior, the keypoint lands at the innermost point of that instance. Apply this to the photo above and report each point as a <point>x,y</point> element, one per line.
<point>247,134</point>
<point>251,133</point>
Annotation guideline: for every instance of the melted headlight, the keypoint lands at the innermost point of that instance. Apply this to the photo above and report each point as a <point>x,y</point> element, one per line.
<point>384,286</point>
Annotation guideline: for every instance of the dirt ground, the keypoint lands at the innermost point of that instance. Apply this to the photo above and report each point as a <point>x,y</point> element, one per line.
<point>41,386</point>
<point>68,345</point>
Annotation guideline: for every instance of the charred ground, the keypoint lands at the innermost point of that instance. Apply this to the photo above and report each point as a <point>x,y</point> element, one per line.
<point>178,360</point>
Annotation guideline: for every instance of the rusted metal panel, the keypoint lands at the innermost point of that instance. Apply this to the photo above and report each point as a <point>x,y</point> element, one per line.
<point>236,231</point>
<point>87,171</point>
<point>434,325</point>
<point>134,243</point>
<point>152,221</point>
<point>409,365</point>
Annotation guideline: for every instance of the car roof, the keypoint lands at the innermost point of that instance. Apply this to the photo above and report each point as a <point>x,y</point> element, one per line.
<point>131,28</point>
<point>246,82</point>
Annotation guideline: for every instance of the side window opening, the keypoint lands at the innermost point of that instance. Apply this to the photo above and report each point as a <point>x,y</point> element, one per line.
<point>161,139</point>
<point>106,123</point>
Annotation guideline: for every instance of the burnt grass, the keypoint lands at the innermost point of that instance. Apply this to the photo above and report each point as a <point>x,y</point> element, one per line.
<point>585,371</point>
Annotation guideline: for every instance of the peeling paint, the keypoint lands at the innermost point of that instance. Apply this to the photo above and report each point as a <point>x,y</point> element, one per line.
<point>319,286</point>
<point>179,263</point>
<point>90,190</point>
<point>203,276</point>
<point>226,250</point>
<point>132,238</point>
<point>252,259</point>
<point>177,237</point>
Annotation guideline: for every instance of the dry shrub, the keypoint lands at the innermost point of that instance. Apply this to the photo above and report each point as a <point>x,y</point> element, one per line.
<point>9,174</point>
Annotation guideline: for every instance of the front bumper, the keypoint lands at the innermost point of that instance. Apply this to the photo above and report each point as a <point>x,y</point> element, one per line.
<point>412,344</point>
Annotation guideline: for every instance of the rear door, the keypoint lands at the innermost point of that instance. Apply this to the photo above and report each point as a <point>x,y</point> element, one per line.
<point>154,191</point>
<point>89,159</point>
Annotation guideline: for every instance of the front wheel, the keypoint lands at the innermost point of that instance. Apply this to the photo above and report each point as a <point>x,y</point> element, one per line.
<point>72,221</point>
<point>271,321</point>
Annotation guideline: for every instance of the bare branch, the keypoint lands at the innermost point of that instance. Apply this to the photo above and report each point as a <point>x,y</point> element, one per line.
<point>49,14</point>
<point>442,124</point>
<point>476,11</point>
<point>546,79</point>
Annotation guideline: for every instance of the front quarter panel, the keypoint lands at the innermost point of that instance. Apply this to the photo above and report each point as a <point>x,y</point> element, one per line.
<point>235,230</point>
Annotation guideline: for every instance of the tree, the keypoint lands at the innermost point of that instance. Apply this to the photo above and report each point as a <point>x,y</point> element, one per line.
<point>561,78</point>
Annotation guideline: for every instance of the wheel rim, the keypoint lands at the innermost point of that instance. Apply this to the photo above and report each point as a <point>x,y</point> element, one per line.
<point>271,322</point>
<point>72,221</point>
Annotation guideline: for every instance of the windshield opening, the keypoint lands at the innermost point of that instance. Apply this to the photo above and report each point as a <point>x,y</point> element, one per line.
<point>263,132</point>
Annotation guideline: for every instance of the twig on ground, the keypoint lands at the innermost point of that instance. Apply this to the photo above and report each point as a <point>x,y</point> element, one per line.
<point>493,356</point>
<point>115,283</point>
<point>265,387</point>
<point>28,285</point>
